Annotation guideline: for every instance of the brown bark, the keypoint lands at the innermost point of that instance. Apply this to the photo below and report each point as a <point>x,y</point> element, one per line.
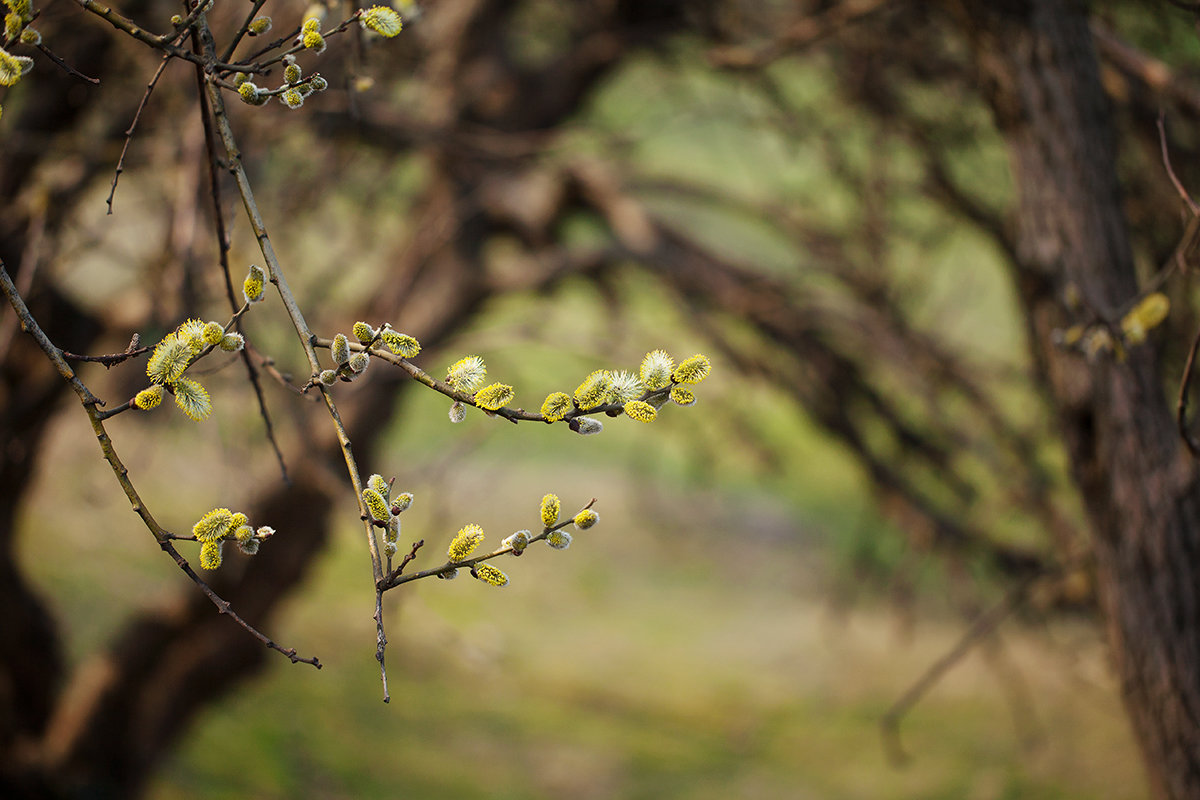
<point>1141,491</point>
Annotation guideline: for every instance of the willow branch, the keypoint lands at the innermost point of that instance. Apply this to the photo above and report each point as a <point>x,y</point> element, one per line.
<point>90,402</point>
<point>144,36</point>
<point>298,48</point>
<point>111,359</point>
<point>1181,404</point>
<point>275,272</point>
<point>513,415</point>
<point>396,579</point>
<point>242,31</point>
<point>1166,159</point>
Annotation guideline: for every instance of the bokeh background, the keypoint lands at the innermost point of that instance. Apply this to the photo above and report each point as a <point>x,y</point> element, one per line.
<point>811,193</point>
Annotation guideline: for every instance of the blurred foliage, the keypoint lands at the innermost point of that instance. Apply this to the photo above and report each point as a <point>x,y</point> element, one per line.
<point>689,646</point>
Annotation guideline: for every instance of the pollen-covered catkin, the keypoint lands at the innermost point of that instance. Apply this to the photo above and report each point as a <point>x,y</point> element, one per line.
<point>489,574</point>
<point>467,374</point>
<point>495,396</point>
<point>376,506</point>
<point>339,350</point>
<point>550,509</point>
<point>381,19</point>
<point>192,399</point>
<point>518,541</point>
<point>556,406</point>
<point>363,332</point>
<point>256,279</point>
<point>656,369</point>
<point>640,410</point>
<point>149,397</point>
<point>692,370</point>
<point>400,343</point>
<point>468,538</point>
<point>559,540</point>
<point>594,389</point>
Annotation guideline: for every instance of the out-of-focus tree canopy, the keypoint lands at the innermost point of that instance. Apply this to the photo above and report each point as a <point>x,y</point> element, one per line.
<point>910,235</point>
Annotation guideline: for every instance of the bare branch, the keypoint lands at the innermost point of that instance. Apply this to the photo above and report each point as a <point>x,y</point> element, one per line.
<point>132,127</point>
<point>48,53</point>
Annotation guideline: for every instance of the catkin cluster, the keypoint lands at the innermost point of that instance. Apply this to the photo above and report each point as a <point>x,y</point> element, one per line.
<point>385,512</point>
<point>638,396</point>
<point>292,92</point>
<point>353,361</point>
<point>177,351</point>
<point>470,536</point>
<point>1098,340</point>
<point>221,525</point>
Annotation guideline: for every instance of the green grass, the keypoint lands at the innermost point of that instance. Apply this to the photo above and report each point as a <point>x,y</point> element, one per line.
<point>645,662</point>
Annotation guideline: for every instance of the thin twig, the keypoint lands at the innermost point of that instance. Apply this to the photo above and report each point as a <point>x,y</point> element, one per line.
<point>27,269</point>
<point>48,53</point>
<point>983,625</point>
<point>267,365</point>
<point>1166,159</point>
<point>112,412</point>
<point>111,359</point>
<point>242,31</point>
<point>410,556</point>
<point>137,115</point>
<point>381,641</point>
<point>175,39</point>
<point>280,42</point>
<point>1181,403</point>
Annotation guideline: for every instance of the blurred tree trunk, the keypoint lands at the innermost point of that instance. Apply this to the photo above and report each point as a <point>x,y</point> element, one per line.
<point>1140,488</point>
<point>31,659</point>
